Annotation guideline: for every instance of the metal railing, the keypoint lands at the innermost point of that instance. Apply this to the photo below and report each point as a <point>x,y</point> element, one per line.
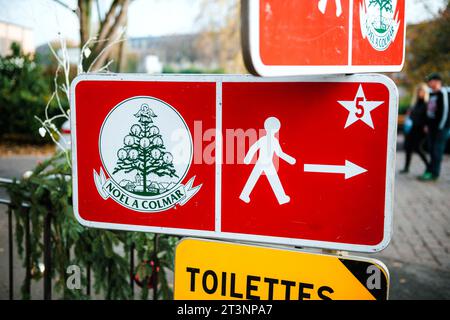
<point>25,209</point>
<point>47,253</point>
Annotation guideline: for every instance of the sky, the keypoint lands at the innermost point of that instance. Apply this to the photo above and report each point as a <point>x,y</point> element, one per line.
<point>146,17</point>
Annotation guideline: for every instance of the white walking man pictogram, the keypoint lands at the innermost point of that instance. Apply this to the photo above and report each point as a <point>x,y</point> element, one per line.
<point>323,7</point>
<point>267,146</point>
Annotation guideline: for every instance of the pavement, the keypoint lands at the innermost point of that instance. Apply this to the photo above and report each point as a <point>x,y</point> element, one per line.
<point>10,167</point>
<point>418,257</point>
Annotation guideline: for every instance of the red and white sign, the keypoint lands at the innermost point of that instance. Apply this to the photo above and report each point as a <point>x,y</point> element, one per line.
<point>297,161</point>
<point>293,37</point>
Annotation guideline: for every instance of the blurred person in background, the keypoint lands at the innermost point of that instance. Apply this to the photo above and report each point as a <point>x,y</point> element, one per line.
<point>438,125</point>
<point>414,128</point>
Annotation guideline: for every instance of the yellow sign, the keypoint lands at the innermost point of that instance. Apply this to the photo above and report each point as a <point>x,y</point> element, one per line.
<point>207,270</point>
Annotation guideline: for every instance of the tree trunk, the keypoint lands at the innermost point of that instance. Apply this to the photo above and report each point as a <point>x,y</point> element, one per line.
<point>122,51</point>
<point>115,18</point>
<point>104,48</point>
<point>381,18</point>
<point>121,57</point>
<point>85,12</point>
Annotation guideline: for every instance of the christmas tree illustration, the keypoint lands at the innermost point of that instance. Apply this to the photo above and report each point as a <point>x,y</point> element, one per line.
<point>385,5</point>
<point>142,154</point>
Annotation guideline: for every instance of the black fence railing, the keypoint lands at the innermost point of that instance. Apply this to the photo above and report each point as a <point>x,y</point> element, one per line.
<point>24,209</point>
<point>47,252</point>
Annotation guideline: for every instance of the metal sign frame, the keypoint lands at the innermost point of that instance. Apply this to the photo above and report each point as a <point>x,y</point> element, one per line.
<point>351,262</point>
<point>217,233</point>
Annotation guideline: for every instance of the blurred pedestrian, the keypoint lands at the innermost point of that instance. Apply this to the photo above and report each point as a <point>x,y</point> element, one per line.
<point>414,128</point>
<point>438,125</point>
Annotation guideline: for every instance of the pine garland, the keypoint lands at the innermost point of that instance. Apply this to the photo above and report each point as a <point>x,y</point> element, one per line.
<point>49,190</point>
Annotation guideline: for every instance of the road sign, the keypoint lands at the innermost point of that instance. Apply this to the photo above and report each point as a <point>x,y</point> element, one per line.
<point>300,161</point>
<point>294,37</point>
<point>219,270</point>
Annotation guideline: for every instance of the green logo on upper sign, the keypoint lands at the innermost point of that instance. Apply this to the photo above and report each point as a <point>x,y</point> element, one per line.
<point>379,22</point>
<point>146,149</point>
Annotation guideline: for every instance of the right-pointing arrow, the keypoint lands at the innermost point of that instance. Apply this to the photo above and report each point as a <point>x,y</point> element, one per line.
<point>349,169</point>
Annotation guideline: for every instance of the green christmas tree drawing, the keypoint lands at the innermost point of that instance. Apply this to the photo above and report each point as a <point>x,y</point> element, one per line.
<point>144,153</point>
<point>385,5</point>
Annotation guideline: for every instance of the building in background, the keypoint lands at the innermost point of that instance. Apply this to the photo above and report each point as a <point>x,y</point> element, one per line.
<point>10,32</point>
<point>173,52</point>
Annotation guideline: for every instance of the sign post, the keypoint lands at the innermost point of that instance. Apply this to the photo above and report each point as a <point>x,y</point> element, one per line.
<point>218,270</point>
<point>293,37</point>
<point>297,161</point>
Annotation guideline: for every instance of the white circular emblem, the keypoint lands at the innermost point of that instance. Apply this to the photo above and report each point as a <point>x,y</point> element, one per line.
<point>146,150</point>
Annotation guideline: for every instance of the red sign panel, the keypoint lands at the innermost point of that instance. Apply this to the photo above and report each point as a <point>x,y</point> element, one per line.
<point>295,37</point>
<point>290,161</point>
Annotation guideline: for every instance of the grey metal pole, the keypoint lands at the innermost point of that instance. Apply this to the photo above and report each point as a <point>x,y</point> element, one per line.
<point>10,255</point>
<point>47,257</point>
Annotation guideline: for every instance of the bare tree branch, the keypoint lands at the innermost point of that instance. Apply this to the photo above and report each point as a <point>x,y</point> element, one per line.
<point>99,12</point>
<point>111,38</point>
<point>115,18</point>
<point>85,7</point>
<point>66,6</point>
<point>109,19</point>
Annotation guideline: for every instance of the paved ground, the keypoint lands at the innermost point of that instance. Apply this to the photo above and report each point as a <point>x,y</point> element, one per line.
<point>13,167</point>
<point>418,257</point>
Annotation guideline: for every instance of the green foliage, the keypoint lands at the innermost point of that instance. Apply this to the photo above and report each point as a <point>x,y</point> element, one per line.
<point>382,5</point>
<point>24,92</point>
<point>49,191</point>
<point>428,48</point>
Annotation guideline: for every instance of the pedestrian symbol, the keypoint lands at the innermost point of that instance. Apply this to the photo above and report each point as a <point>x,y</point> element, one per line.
<point>267,146</point>
<point>148,159</point>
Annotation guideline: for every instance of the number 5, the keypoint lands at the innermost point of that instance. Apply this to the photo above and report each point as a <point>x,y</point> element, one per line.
<point>359,108</point>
